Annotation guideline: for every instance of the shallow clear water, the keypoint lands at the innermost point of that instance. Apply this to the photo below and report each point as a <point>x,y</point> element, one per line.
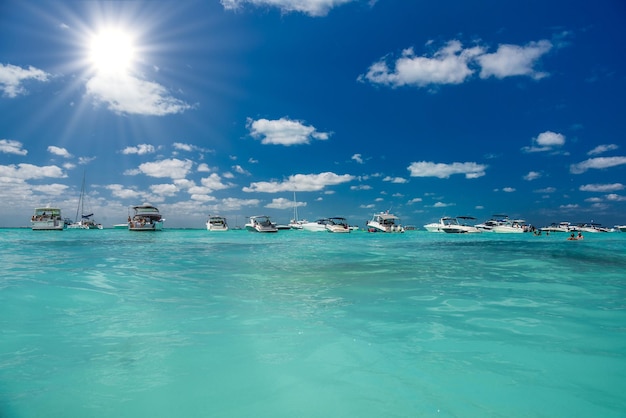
<point>191,323</point>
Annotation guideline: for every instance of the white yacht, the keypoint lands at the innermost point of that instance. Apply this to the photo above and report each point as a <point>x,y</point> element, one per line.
<point>443,223</point>
<point>516,226</point>
<point>145,218</point>
<point>261,224</point>
<point>461,226</point>
<point>384,222</point>
<point>216,223</point>
<point>560,227</point>
<point>495,220</point>
<point>47,219</point>
<point>315,226</point>
<point>337,225</point>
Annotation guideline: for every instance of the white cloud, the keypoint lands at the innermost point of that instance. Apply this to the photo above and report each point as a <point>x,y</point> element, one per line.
<point>233,204</point>
<point>357,158</point>
<point>29,171</point>
<point>164,189</point>
<point>361,187</point>
<point>284,131</point>
<point>309,7</point>
<point>508,189</point>
<point>126,94</point>
<point>443,171</point>
<point>514,60</point>
<point>140,149</point>
<point>448,65</point>
<point>240,170</point>
<point>600,149</point>
<point>9,146</point>
<point>214,182</point>
<point>546,190</point>
<point>12,78</point>
<point>203,168</point>
<point>546,141</point>
<point>398,180</point>
<point>442,205</point>
<point>532,175</point>
<point>615,197</point>
<point>61,152</point>
<point>54,189</point>
<point>453,64</point>
<point>414,200</point>
<point>280,203</point>
<point>173,168</point>
<point>601,187</point>
<point>300,183</point>
<point>597,163</point>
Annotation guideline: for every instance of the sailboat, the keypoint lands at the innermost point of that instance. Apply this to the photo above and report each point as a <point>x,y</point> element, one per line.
<point>85,221</point>
<point>296,223</point>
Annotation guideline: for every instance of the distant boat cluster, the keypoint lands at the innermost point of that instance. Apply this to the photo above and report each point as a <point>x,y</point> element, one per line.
<point>147,217</point>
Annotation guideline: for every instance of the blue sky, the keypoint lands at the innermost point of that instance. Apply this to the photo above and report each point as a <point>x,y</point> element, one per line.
<point>229,107</point>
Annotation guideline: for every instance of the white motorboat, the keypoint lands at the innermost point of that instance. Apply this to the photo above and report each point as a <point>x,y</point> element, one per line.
<point>560,227</point>
<point>261,224</point>
<point>444,222</point>
<point>337,225</point>
<point>516,226</point>
<point>384,222</point>
<point>145,218</point>
<point>590,227</point>
<point>216,223</point>
<point>461,226</point>
<point>621,228</point>
<point>316,226</point>
<point>495,220</point>
<point>85,221</point>
<point>47,219</point>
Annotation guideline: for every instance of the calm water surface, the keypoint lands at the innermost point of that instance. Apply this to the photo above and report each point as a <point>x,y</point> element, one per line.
<point>190,323</point>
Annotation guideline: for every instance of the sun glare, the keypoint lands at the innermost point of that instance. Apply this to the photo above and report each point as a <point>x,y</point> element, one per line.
<point>111,51</point>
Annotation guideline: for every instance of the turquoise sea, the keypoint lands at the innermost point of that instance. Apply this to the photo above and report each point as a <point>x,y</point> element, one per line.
<point>191,323</point>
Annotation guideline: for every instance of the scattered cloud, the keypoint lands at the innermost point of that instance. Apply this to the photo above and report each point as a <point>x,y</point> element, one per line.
<point>9,146</point>
<point>471,170</point>
<point>448,65</point>
<point>398,180</point>
<point>603,188</point>
<point>532,175</point>
<point>546,141</point>
<point>284,131</point>
<point>601,149</point>
<point>442,205</point>
<point>214,182</point>
<point>140,149</point>
<point>615,197</point>
<point>313,8</point>
<point>29,172</point>
<point>300,183</point>
<point>13,77</point>
<point>280,203</point>
<point>508,189</point>
<point>173,168</point>
<point>357,158</point>
<point>126,94</point>
<point>164,189</point>
<point>597,163</point>
<point>546,190</point>
<point>414,200</point>
<point>514,60</point>
<point>454,64</point>
<point>61,152</point>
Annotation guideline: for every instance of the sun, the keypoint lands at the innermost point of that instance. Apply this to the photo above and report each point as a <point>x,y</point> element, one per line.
<point>111,51</point>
